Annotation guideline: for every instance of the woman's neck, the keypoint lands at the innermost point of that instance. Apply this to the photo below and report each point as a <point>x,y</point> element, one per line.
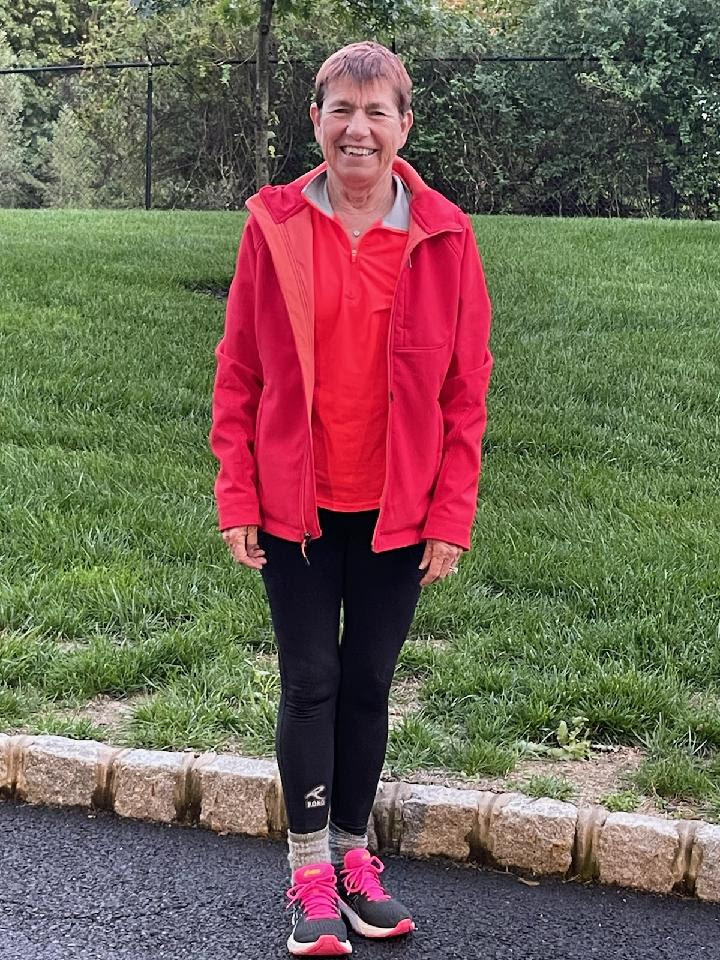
<point>376,200</point>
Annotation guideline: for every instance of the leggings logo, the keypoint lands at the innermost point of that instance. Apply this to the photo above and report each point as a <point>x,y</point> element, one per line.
<point>316,796</point>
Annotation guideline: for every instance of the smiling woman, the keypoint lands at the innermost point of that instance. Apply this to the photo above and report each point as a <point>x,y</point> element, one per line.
<point>348,412</point>
<point>360,129</point>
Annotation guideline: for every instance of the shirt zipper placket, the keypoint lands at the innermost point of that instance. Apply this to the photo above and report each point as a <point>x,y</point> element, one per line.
<point>307,536</point>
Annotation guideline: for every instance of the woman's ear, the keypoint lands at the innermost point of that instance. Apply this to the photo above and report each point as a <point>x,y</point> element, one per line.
<point>315,117</point>
<point>405,125</point>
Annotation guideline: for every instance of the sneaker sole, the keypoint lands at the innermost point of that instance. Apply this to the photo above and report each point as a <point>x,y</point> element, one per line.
<point>325,946</point>
<point>368,930</point>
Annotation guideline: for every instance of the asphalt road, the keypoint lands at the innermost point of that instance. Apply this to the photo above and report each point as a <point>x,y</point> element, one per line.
<point>75,886</point>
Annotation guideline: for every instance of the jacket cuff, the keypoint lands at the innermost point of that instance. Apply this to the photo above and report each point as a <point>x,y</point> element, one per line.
<point>237,515</point>
<point>448,531</point>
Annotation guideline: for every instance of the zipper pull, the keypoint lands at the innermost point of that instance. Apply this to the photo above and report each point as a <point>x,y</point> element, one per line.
<point>303,546</point>
<point>409,261</point>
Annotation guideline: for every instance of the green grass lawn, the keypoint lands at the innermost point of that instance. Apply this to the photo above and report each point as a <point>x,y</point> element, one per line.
<point>593,587</point>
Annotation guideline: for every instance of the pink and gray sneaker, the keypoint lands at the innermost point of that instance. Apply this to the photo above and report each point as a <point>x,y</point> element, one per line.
<point>368,908</point>
<point>318,928</point>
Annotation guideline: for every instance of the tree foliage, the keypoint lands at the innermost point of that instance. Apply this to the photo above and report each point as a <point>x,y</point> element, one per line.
<point>661,60</point>
<point>633,131</point>
<point>14,161</point>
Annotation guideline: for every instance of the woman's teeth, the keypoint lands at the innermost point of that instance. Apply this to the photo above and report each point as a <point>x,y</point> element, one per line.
<point>357,151</point>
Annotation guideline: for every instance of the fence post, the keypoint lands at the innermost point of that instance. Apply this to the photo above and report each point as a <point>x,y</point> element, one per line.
<point>148,138</point>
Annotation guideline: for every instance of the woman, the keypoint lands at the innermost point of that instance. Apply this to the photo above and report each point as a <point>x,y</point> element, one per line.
<point>348,411</point>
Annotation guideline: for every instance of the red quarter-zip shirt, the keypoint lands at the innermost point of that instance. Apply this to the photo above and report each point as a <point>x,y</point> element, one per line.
<point>353,295</point>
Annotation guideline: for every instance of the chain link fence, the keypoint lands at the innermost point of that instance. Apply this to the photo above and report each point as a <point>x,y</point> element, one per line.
<point>501,135</point>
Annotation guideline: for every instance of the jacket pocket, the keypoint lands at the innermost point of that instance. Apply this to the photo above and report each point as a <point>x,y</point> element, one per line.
<point>422,333</point>
<point>418,326</point>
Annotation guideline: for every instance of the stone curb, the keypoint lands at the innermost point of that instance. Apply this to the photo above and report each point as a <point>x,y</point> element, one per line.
<point>234,794</point>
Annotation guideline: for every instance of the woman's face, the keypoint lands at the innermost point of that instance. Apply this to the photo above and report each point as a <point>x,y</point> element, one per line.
<point>360,130</point>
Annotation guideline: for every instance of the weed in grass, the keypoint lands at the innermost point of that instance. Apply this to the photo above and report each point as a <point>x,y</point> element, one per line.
<point>57,725</point>
<point>703,724</point>
<point>625,801</point>
<point>480,757</point>
<point>679,766</point>
<point>413,744</point>
<point>16,704</point>
<point>556,788</point>
<point>419,657</point>
<point>212,704</point>
<point>572,742</point>
<point>676,775</point>
<point>24,658</point>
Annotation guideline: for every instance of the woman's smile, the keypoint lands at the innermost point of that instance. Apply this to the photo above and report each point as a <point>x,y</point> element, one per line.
<point>357,151</point>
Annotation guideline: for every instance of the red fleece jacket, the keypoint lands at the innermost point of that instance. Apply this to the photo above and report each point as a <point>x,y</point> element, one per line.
<point>439,366</point>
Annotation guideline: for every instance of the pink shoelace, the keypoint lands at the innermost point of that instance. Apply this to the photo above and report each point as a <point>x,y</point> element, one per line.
<point>364,879</point>
<point>318,896</point>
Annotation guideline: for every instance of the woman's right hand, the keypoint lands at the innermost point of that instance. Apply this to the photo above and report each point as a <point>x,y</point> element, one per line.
<point>243,545</point>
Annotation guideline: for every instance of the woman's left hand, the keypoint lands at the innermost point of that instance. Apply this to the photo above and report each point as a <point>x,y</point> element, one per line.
<point>440,558</point>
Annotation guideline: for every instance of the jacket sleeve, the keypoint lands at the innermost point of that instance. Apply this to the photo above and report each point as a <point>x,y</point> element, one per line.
<point>236,395</point>
<point>462,400</point>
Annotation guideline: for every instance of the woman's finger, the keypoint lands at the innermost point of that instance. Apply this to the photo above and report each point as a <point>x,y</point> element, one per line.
<point>237,541</point>
<point>433,571</point>
<point>442,561</point>
<point>238,546</point>
<point>253,548</point>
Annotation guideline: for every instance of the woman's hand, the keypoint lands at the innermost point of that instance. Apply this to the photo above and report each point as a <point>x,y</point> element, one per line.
<point>243,545</point>
<point>440,558</point>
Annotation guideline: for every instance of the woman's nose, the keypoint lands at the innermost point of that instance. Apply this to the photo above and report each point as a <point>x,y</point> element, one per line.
<point>357,125</point>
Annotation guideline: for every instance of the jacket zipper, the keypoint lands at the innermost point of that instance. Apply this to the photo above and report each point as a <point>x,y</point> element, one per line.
<point>307,536</point>
<point>391,399</point>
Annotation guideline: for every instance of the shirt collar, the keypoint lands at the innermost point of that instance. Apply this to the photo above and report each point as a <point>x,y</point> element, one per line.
<point>316,192</point>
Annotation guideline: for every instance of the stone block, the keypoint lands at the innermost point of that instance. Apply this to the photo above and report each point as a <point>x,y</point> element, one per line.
<point>372,835</point>
<point>639,851</point>
<point>705,862</point>
<point>277,814</point>
<point>5,773</point>
<point>237,794</point>
<point>149,784</point>
<point>589,824</point>
<point>438,821</point>
<point>387,815</point>
<point>532,834</point>
<point>59,771</point>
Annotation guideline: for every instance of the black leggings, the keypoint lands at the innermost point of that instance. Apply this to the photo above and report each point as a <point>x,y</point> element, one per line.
<point>332,723</point>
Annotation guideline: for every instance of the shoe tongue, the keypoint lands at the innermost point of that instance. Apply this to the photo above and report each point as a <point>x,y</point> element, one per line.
<point>353,858</point>
<point>313,871</point>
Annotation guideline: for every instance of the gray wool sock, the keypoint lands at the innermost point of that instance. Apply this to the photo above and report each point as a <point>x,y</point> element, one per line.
<point>306,848</point>
<point>341,841</point>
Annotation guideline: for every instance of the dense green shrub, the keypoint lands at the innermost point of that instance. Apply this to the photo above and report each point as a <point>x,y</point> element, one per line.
<point>629,128</point>
<point>15,177</point>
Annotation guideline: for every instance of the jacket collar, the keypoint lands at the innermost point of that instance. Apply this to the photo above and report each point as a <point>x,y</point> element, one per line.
<point>433,212</point>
